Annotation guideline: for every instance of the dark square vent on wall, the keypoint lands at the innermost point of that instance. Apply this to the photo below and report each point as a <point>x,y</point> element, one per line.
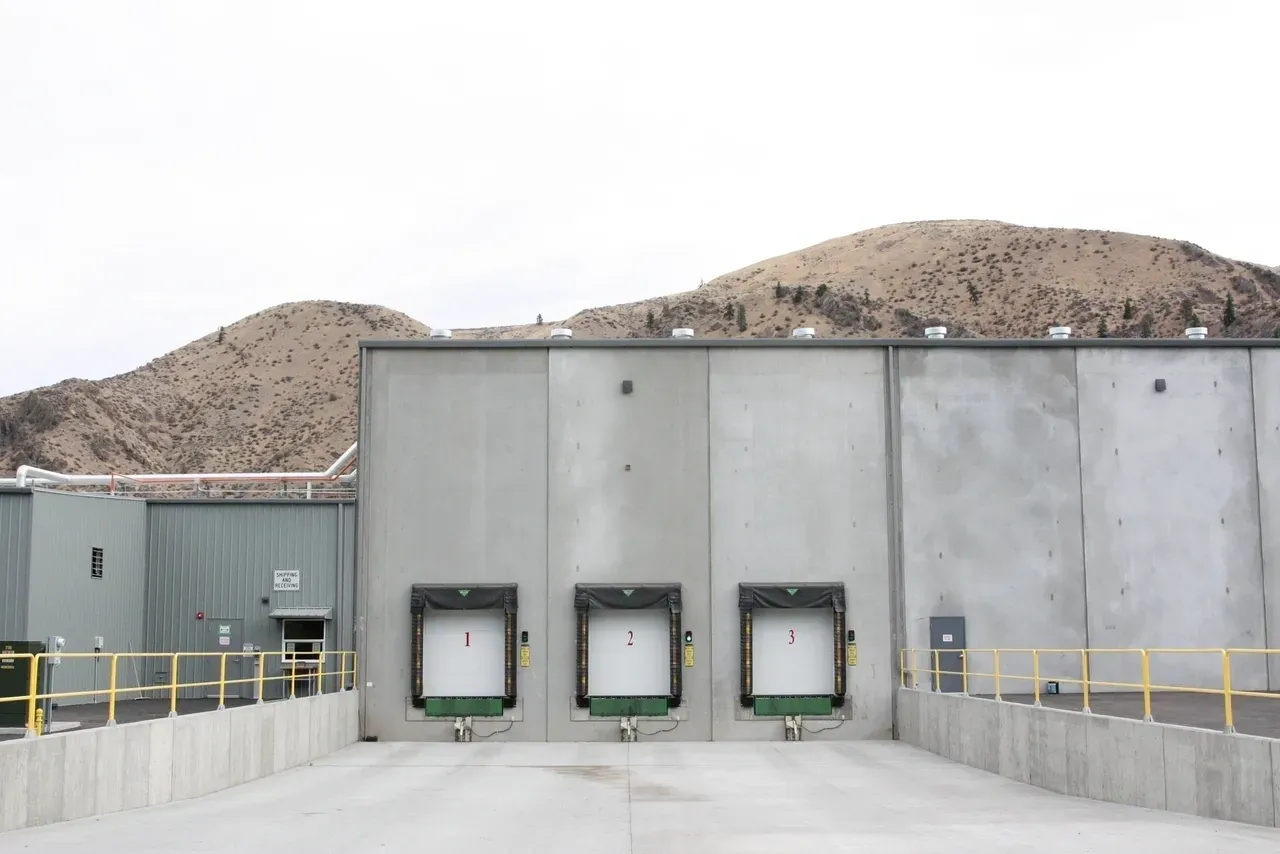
<point>95,562</point>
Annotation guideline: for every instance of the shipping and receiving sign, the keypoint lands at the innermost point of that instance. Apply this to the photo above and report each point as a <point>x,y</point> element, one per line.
<point>287,579</point>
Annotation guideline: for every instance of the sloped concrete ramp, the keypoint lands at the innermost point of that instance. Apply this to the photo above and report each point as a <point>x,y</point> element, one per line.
<point>736,798</point>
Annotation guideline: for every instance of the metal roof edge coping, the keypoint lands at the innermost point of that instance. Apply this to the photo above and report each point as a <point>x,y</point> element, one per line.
<point>243,501</point>
<point>808,343</point>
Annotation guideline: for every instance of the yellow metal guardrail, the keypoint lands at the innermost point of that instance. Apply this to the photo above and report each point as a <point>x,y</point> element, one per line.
<point>910,658</point>
<point>307,668</point>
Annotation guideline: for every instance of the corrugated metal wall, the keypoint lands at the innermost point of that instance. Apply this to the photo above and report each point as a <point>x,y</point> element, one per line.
<point>218,558</point>
<point>15,556</point>
<point>65,599</point>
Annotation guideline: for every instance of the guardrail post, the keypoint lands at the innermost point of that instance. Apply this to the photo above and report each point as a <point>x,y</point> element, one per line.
<point>320,675</point>
<point>964,672</point>
<point>996,655</point>
<point>262,670</point>
<point>111,692</point>
<point>33,687</point>
<point>1084,681</point>
<point>1146,687</point>
<point>937,673</point>
<point>222,682</point>
<point>293,675</point>
<point>902,668</point>
<point>1035,672</point>
<point>1228,712</point>
<point>342,670</point>
<point>173,686</point>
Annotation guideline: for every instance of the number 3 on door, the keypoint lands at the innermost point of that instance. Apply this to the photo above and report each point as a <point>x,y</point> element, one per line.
<point>791,636</point>
<point>631,638</point>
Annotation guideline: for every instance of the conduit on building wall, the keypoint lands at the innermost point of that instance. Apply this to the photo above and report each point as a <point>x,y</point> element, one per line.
<point>33,476</point>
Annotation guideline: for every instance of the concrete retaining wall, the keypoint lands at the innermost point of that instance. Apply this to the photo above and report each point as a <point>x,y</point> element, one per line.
<point>84,773</point>
<point>1194,771</point>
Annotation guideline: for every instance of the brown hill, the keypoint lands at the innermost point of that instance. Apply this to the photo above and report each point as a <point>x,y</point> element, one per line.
<point>277,390</point>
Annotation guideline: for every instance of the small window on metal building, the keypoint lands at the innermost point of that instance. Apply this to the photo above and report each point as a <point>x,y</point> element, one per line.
<point>95,562</point>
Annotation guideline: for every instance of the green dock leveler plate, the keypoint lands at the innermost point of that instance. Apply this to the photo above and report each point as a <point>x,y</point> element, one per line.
<point>626,707</point>
<point>786,706</point>
<point>463,707</point>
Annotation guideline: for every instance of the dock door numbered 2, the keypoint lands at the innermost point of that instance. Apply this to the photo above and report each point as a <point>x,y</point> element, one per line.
<point>629,653</point>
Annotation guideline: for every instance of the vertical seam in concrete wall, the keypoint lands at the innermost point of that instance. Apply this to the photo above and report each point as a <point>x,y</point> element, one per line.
<point>893,495</point>
<point>546,559</point>
<point>711,594</point>
<point>361,599</point>
<point>1084,536</point>
<point>1257,486</point>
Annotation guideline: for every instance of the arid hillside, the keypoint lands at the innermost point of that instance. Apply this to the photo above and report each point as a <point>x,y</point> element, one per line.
<point>277,389</point>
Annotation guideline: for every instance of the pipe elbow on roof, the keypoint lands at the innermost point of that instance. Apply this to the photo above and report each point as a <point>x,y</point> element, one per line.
<point>25,474</point>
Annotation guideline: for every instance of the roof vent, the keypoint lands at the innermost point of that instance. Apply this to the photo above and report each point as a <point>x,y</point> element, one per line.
<point>1197,333</point>
<point>803,332</point>
<point>682,332</point>
<point>936,332</point>
<point>1059,332</point>
<point>561,333</point>
<point>441,333</point>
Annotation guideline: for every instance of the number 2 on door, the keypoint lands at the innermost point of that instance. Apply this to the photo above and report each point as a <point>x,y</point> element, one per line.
<point>631,638</point>
<point>791,636</point>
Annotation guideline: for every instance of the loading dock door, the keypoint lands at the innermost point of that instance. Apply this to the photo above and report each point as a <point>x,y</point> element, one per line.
<point>629,653</point>
<point>464,653</point>
<point>792,652</point>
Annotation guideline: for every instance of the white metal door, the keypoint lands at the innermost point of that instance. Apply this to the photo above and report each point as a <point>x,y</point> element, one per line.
<point>463,653</point>
<point>793,652</point>
<point>629,653</point>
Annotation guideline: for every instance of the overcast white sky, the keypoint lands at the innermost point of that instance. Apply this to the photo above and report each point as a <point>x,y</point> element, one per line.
<point>169,167</point>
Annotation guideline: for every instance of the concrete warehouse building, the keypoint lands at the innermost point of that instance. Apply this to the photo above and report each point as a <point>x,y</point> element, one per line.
<point>696,539</point>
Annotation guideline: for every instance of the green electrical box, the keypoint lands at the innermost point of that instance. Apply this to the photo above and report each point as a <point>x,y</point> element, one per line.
<point>15,679</point>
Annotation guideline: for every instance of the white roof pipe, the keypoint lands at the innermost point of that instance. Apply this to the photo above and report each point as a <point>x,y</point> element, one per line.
<point>935,332</point>
<point>561,333</point>
<point>1060,332</point>
<point>441,333</point>
<point>682,332</point>
<point>1197,333</point>
<point>804,332</point>
<point>30,475</point>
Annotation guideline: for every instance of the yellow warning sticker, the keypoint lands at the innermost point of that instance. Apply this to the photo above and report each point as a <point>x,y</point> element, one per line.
<point>853,655</point>
<point>688,655</point>
<point>524,656</point>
